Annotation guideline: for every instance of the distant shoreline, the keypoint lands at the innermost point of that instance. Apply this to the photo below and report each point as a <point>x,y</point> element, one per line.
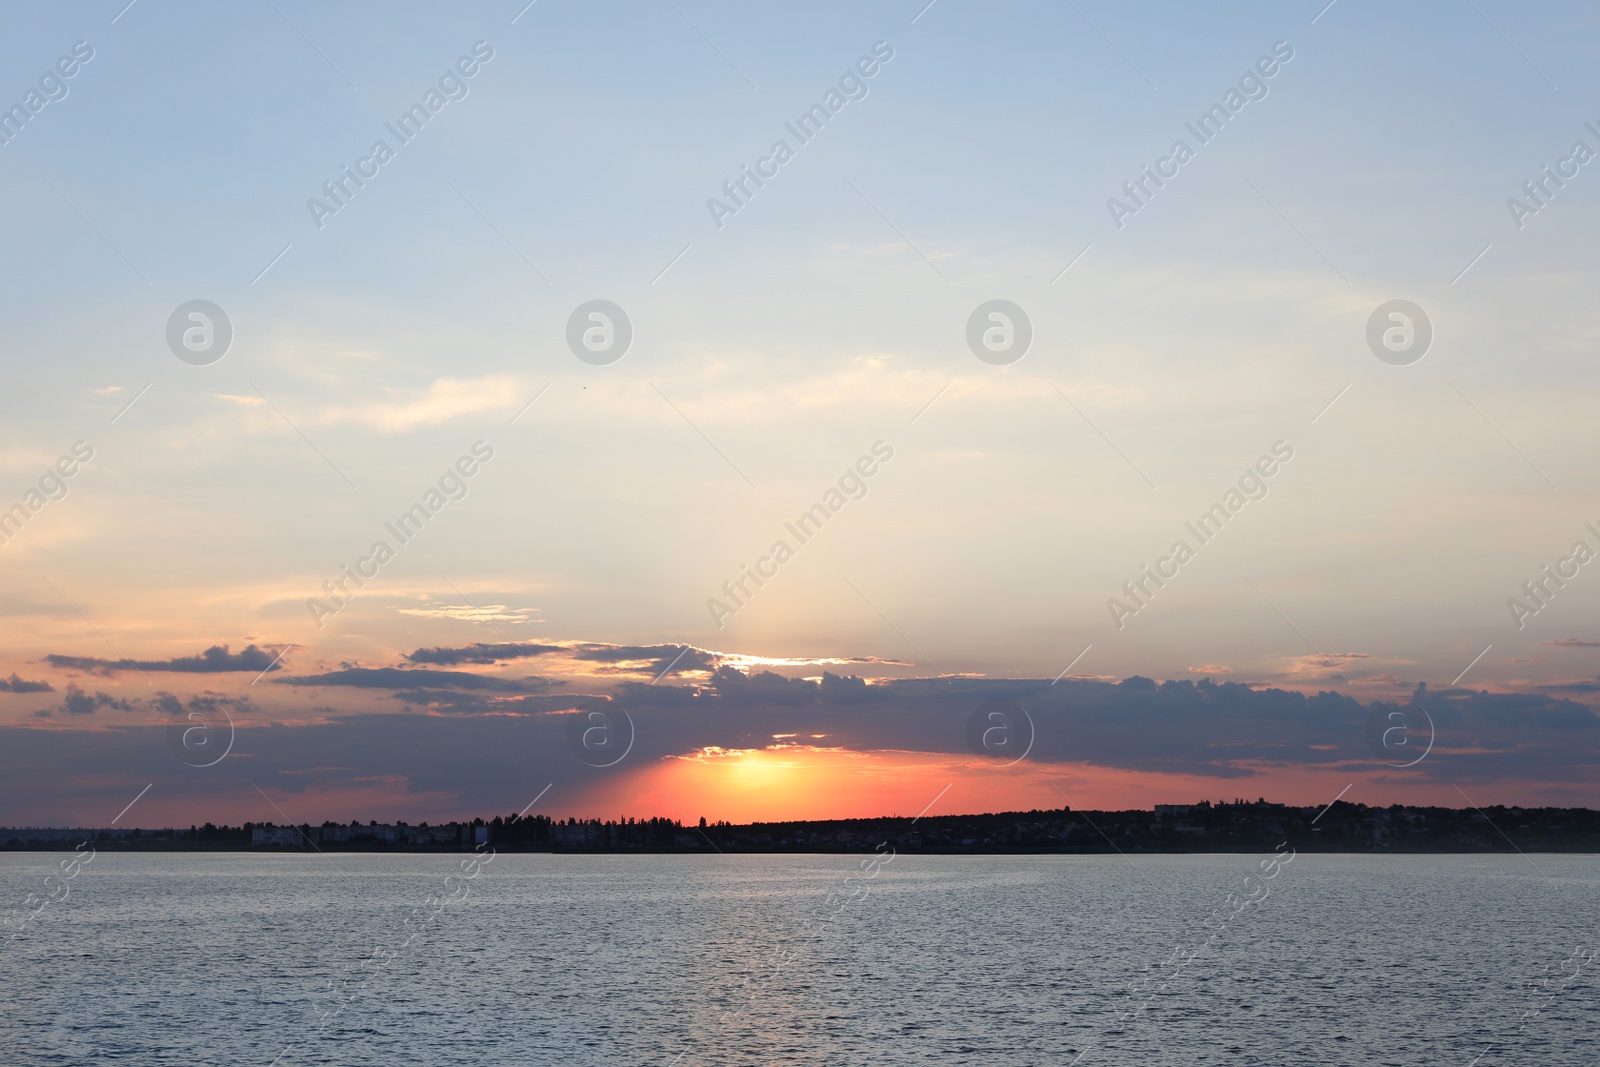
<point>1240,827</point>
<point>860,850</point>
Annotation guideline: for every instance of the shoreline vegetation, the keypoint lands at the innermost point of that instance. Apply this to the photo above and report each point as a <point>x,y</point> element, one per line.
<point>1205,827</point>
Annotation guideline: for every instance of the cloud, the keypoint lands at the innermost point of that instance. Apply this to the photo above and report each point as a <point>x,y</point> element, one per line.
<point>207,703</point>
<point>482,747</point>
<point>19,685</point>
<point>80,703</point>
<point>1210,668</point>
<point>1178,727</point>
<point>1573,642</point>
<point>468,613</point>
<point>480,653</point>
<point>1587,685</point>
<point>397,678</point>
<point>649,659</point>
<point>746,662</point>
<point>623,659</point>
<point>1323,663</point>
<point>214,660</point>
<point>446,398</point>
<point>1182,727</point>
<point>474,704</point>
<point>1204,728</point>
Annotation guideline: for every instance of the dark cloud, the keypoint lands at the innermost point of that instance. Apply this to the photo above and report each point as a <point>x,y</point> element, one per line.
<point>480,653</point>
<point>1226,730</point>
<point>206,704</point>
<point>446,702</point>
<point>654,659</point>
<point>1203,728</point>
<point>1573,642</point>
<point>491,745</point>
<point>211,702</point>
<point>80,703</point>
<point>20,685</point>
<point>1585,686</point>
<point>641,659</point>
<point>398,678</point>
<point>479,765</point>
<point>767,688</point>
<point>214,660</point>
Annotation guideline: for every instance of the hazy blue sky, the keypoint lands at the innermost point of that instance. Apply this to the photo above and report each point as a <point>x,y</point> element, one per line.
<point>771,352</point>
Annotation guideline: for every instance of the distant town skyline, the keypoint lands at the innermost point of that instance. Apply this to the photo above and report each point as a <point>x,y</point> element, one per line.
<point>1239,825</point>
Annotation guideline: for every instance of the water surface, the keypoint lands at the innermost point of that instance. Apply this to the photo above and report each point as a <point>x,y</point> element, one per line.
<point>244,959</point>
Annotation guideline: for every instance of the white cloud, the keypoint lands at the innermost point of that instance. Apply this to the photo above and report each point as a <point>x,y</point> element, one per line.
<point>486,613</point>
<point>445,399</point>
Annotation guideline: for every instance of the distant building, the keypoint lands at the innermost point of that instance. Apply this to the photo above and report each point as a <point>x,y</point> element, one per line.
<point>275,835</point>
<point>574,834</point>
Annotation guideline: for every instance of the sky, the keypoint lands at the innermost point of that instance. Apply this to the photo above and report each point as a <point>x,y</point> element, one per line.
<point>1351,325</point>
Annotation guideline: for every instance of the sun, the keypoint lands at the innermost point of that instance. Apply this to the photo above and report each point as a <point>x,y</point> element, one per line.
<point>759,769</point>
